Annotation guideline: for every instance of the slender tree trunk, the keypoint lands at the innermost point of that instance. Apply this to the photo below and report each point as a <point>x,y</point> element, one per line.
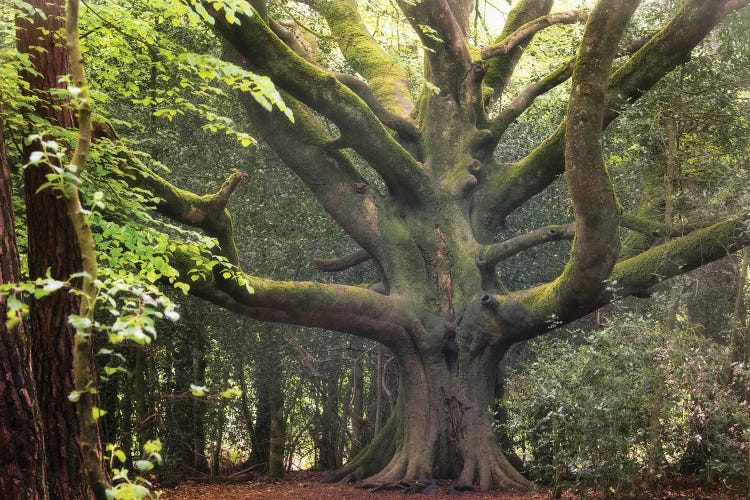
<point>278,429</point>
<point>200,409</point>
<point>379,391</point>
<point>741,337</point>
<point>53,248</point>
<point>218,440</point>
<point>247,416</point>
<point>356,405</point>
<point>22,466</point>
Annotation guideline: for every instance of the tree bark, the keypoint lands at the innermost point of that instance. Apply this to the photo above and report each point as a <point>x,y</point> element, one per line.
<point>22,462</point>
<point>53,248</point>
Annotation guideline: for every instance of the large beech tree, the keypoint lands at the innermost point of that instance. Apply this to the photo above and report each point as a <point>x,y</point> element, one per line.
<point>432,230</point>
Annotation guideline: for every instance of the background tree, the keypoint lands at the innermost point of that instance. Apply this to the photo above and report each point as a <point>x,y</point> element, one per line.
<point>52,248</point>
<point>23,462</point>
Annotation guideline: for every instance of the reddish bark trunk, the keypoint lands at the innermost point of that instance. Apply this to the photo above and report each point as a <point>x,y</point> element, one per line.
<point>52,246</point>
<point>22,459</point>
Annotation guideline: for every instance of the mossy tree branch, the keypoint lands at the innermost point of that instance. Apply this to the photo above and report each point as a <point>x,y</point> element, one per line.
<point>506,189</point>
<point>263,52</point>
<point>537,310</point>
<point>529,29</point>
<point>597,214</point>
<point>207,212</point>
<point>348,309</point>
<point>385,76</point>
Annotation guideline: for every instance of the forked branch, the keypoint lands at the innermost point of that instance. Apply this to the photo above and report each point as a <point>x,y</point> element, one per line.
<point>501,67</point>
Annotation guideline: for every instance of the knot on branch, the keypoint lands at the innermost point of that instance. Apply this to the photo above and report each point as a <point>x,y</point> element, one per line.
<point>482,143</point>
<point>475,166</point>
<point>360,187</point>
<point>470,183</point>
<point>490,301</point>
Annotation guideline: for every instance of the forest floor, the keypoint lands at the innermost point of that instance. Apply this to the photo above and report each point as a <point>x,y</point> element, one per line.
<point>307,485</point>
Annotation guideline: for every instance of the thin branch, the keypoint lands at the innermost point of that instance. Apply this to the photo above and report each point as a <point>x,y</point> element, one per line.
<point>526,97</point>
<point>531,28</point>
<point>501,68</point>
<point>491,255</point>
<point>341,263</point>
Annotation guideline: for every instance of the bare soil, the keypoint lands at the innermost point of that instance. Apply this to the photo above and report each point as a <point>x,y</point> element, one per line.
<point>308,485</point>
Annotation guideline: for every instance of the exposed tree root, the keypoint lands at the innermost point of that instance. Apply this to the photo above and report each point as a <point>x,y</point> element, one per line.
<point>487,468</point>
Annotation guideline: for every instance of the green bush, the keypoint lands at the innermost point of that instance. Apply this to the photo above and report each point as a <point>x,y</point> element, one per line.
<point>627,402</point>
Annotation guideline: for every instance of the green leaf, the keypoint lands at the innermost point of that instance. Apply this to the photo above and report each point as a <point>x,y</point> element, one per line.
<point>152,446</point>
<point>144,465</point>
<point>120,455</point>
<point>197,390</point>
<point>232,392</point>
<point>14,304</point>
<point>97,412</point>
<point>78,322</point>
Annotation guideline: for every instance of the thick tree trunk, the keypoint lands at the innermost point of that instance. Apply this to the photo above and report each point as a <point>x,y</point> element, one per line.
<point>442,425</point>
<point>22,471</point>
<point>52,248</point>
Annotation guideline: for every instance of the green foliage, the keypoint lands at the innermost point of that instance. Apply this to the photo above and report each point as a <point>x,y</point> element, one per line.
<point>628,401</point>
<point>125,488</point>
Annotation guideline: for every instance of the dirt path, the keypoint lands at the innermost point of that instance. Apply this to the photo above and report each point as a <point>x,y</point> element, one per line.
<point>307,485</point>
